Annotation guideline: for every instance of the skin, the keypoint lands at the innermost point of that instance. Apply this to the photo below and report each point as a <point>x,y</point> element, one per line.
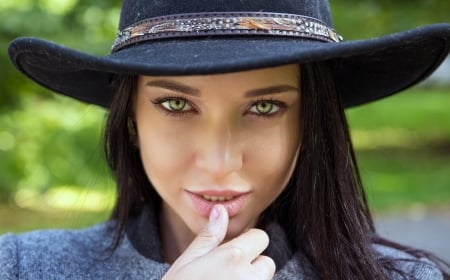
<point>215,132</point>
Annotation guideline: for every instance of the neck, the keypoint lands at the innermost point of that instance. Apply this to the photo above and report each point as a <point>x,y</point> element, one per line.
<point>175,235</point>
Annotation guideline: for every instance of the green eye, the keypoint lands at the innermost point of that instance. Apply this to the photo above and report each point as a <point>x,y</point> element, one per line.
<point>264,107</point>
<point>176,104</point>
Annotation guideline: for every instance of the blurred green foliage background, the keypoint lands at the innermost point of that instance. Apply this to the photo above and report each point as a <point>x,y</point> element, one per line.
<point>52,172</point>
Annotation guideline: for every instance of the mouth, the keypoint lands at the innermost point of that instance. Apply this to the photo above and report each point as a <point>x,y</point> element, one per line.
<point>218,198</point>
<point>232,201</point>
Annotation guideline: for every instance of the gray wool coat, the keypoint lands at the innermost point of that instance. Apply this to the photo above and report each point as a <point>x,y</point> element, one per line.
<point>85,254</point>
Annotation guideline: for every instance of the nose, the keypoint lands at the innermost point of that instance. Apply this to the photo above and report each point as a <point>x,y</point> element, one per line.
<point>218,150</point>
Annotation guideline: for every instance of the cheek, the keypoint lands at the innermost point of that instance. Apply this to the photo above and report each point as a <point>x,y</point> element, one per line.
<point>272,157</point>
<point>164,154</point>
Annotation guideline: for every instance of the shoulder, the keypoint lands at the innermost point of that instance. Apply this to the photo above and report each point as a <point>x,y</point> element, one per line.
<point>8,257</point>
<point>415,267</point>
<point>60,243</point>
<point>47,251</point>
<point>74,254</point>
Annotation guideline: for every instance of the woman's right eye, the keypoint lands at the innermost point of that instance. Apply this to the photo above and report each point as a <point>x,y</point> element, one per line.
<point>174,104</point>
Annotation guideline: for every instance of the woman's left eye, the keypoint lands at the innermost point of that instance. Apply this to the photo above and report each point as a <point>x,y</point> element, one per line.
<point>265,107</point>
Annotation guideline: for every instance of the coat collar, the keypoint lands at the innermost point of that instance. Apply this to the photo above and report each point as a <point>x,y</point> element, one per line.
<point>143,233</point>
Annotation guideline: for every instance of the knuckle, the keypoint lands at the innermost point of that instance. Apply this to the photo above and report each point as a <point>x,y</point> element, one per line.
<point>207,237</point>
<point>264,236</point>
<point>259,232</point>
<point>261,235</point>
<point>233,254</point>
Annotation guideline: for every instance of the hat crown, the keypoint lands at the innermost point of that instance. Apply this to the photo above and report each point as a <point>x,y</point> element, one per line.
<point>136,10</point>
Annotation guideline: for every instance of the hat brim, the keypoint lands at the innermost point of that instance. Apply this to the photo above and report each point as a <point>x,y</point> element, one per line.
<point>366,70</point>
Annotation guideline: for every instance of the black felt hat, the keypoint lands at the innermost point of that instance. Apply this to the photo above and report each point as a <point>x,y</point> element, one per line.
<point>178,37</point>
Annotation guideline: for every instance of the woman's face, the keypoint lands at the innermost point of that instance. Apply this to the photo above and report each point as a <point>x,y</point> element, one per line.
<point>231,139</point>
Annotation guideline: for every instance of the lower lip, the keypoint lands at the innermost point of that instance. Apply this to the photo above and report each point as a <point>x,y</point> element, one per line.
<point>204,206</point>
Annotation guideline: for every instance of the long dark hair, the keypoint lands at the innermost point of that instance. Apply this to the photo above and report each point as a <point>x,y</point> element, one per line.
<point>332,224</point>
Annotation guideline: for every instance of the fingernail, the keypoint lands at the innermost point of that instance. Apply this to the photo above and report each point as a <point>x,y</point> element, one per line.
<point>214,214</point>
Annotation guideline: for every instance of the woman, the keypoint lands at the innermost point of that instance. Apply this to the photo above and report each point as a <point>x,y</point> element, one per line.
<point>227,138</point>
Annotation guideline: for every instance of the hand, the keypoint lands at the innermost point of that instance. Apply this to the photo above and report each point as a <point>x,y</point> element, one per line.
<point>239,258</point>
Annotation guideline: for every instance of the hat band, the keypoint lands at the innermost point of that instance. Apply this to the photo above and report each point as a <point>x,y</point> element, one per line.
<point>214,24</point>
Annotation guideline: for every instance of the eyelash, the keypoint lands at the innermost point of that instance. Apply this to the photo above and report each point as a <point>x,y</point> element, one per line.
<point>180,114</point>
<point>282,106</point>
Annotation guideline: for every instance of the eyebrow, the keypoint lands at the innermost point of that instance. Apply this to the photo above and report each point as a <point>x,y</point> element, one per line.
<point>175,86</point>
<point>270,90</point>
<point>179,87</point>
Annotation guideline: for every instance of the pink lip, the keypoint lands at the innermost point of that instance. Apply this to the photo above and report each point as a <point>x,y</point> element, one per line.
<point>204,206</point>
